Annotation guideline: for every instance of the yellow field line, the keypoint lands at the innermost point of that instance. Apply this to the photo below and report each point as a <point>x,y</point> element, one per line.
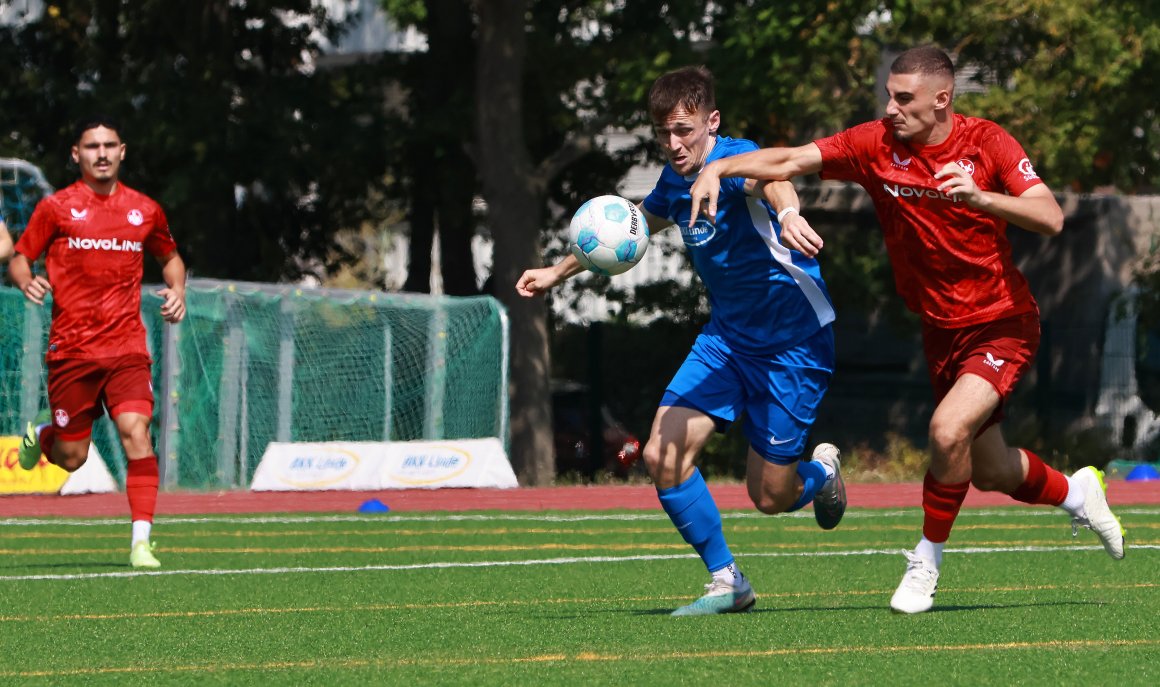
<point>480,603</point>
<point>584,657</point>
<point>748,547</point>
<point>509,531</point>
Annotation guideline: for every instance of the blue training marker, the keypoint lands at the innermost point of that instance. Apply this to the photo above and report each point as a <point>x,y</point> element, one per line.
<point>373,506</point>
<point>1142,473</point>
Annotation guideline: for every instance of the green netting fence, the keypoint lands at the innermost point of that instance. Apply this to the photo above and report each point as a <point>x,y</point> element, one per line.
<point>255,363</point>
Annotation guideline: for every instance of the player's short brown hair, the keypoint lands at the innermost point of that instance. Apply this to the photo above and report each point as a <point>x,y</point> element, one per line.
<point>925,59</point>
<point>92,122</point>
<point>688,87</point>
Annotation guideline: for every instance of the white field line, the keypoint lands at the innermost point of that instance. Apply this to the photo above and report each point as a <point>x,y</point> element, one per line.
<point>574,560</point>
<point>869,514</point>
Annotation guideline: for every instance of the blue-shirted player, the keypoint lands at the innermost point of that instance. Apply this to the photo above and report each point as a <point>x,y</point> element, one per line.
<point>766,354</point>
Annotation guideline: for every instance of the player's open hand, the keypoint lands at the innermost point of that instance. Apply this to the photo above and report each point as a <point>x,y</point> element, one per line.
<point>173,309</point>
<point>959,184</point>
<point>37,289</point>
<point>797,234</point>
<point>536,281</point>
<point>704,194</point>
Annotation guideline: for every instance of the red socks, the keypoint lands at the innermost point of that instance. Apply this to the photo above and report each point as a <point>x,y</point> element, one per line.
<point>141,480</point>
<point>1043,484</point>
<point>941,503</point>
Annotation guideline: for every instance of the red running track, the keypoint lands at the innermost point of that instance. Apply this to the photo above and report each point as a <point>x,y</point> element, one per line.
<point>642,497</point>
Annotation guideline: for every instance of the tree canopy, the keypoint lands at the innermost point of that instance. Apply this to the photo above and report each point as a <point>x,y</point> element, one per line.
<point>257,153</point>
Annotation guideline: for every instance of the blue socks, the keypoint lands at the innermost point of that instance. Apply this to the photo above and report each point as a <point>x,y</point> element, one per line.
<point>813,477</point>
<point>694,513</point>
<point>691,508</point>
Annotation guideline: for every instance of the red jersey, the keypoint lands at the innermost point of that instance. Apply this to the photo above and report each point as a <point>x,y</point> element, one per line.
<point>95,252</point>
<point>952,263</point>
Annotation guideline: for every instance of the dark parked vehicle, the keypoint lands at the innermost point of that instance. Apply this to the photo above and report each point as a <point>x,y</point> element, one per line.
<point>572,429</point>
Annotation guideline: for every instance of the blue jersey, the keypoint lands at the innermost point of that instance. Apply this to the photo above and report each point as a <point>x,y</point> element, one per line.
<point>763,297</point>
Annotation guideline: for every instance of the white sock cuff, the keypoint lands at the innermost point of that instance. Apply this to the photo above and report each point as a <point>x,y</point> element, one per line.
<point>930,551</point>
<point>1073,502</point>
<point>141,530</point>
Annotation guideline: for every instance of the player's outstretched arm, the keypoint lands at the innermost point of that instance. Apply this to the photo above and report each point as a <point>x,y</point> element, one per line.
<point>538,280</point>
<point>767,164</point>
<point>1036,210</point>
<point>173,272</point>
<point>796,232</point>
<point>36,287</point>
<point>5,242</point>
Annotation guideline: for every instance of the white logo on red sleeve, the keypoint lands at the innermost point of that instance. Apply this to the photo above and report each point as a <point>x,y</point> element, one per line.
<point>1027,170</point>
<point>60,415</point>
<point>135,217</point>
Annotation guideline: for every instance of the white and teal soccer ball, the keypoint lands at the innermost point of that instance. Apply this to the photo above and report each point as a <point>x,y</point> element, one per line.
<point>608,235</point>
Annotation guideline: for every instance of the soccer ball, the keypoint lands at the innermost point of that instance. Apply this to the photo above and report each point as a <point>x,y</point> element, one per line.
<point>608,235</point>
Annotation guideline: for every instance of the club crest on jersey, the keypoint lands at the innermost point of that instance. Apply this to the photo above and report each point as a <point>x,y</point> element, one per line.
<point>79,215</point>
<point>967,165</point>
<point>899,162</point>
<point>135,217</point>
<point>60,417</point>
<point>1027,170</point>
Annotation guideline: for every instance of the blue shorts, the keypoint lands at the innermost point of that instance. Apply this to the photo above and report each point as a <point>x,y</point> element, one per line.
<point>779,394</point>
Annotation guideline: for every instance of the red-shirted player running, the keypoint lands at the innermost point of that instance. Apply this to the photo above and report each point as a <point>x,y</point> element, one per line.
<point>945,187</point>
<point>95,234</point>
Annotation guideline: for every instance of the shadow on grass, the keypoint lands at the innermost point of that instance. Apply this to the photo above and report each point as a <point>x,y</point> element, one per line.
<point>758,610</point>
<point>982,607</point>
<point>884,608</point>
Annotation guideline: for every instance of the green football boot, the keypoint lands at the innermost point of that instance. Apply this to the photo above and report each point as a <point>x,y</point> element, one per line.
<point>141,556</point>
<point>29,452</point>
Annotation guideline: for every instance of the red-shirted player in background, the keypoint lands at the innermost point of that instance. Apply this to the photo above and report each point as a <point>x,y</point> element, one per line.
<point>945,187</point>
<point>95,234</point>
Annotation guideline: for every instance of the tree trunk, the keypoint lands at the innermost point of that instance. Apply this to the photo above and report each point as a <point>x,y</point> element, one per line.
<point>514,213</point>
<point>451,89</point>
<point>443,176</point>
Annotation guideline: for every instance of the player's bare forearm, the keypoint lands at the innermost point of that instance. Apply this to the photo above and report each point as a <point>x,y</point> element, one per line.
<point>20,271</point>
<point>538,280</point>
<point>173,273</point>
<point>771,164</point>
<point>34,287</point>
<point>767,164</point>
<point>1036,210</point>
<point>781,194</point>
<point>796,232</point>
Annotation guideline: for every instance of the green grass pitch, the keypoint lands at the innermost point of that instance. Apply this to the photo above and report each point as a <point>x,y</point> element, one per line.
<point>570,598</point>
